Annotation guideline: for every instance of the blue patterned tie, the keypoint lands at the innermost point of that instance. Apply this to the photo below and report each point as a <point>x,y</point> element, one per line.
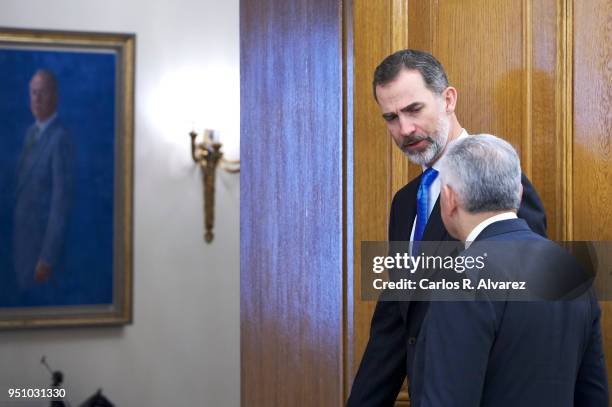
<point>427,179</point>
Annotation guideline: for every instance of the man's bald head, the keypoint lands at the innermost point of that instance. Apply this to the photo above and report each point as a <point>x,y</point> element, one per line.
<point>43,94</point>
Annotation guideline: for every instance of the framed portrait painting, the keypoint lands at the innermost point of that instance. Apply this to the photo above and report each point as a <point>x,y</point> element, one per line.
<point>66,178</point>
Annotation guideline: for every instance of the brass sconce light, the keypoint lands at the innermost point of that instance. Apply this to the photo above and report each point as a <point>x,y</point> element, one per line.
<point>208,156</point>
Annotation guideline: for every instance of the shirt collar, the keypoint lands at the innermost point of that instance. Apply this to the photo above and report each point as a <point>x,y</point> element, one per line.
<point>42,126</point>
<point>482,225</point>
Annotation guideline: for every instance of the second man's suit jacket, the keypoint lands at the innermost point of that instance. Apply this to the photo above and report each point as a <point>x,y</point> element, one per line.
<point>389,354</point>
<point>496,351</point>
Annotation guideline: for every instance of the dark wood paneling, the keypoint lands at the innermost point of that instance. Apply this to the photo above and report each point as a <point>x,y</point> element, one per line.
<point>592,148</point>
<point>291,203</point>
<point>545,132</point>
<point>510,62</point>
<point>480,44</point>
<point>420,24</point>
<point>592,120</point>
<point>372,42</point>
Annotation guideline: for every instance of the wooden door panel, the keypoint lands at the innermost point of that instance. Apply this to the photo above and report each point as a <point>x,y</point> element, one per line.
<point>291,234</point>
<point>372,40</point>
<point>536,73</point>
<point>592,142</point>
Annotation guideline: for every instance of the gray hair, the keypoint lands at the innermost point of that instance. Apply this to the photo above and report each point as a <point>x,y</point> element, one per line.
<point>429,67</point>
<point>484,171</point>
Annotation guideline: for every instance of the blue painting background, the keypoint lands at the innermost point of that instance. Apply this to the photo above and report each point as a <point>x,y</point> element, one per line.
<point>87,108</point>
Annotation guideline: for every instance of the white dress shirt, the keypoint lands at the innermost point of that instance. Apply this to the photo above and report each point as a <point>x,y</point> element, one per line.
<point>482,225</point>
<point>42,126</point>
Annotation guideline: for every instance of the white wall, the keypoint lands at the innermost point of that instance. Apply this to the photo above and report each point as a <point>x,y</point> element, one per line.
<point>183,348</point>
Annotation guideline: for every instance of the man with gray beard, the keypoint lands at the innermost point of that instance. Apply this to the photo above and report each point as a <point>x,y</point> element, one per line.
<point>418,105</point>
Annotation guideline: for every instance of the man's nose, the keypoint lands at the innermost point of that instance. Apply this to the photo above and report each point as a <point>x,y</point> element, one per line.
<point>406,126</point>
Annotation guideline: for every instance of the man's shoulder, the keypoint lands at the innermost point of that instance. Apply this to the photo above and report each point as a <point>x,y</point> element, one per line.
<point>508,229</point>
<point>57,126</point>
<point>58,133</point>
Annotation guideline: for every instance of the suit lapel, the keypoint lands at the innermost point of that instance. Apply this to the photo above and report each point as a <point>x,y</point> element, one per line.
<point>34,151</point>
<point>435,230</point>
<point>411,209</point>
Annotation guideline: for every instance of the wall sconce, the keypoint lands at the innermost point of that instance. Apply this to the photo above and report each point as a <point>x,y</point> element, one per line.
<point>208,155</point>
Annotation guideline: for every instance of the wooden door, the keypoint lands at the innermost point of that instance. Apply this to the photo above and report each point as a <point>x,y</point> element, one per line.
<point>291,203</point>
<point>589,186</point>
<point>535,72</point>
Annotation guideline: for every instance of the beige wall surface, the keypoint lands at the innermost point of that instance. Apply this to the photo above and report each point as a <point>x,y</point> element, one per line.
<point>183,348</point>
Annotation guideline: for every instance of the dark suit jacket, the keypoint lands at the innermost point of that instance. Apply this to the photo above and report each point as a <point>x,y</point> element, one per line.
<point>492,352</point>
<point>42,200</point>
<point>389,355</point>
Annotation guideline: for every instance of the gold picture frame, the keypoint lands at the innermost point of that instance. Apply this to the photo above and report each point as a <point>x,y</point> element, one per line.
<point>70,266</point>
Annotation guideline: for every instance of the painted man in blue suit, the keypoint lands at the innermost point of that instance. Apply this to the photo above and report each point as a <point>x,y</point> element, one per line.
<point>43,195</point>
<point>496,352</point>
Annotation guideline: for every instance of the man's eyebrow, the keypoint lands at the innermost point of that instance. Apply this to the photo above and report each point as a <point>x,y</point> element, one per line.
<point>407,109</point>
<point>412,107</point>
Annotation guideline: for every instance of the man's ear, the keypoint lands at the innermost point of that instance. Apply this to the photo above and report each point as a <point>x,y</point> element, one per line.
<point>450,99</point>
<point>450,200</point>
